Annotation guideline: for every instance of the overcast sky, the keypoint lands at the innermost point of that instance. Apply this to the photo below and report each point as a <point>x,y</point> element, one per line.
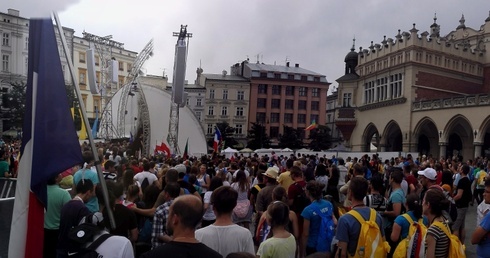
<point>317,34</point>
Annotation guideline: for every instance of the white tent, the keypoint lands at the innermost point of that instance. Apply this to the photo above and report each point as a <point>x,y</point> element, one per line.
<point>229,152</point>
<point>287,150</point>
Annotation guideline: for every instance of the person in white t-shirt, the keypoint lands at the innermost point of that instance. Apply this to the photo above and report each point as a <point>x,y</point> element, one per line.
<point>140,177</point>
<point>224,236</point>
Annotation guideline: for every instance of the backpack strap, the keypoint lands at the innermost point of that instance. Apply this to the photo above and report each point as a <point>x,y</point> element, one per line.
<point>360,219</point>
<point>408,218</point>
<point>98,242</point>
<point>443,228</point>
<point>257,187</point>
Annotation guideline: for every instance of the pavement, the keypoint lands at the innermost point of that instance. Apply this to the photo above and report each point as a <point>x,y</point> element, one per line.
<point>470,228</point>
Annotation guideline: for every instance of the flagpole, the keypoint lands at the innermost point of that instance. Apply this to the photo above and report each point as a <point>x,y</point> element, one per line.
<point>85,119</point>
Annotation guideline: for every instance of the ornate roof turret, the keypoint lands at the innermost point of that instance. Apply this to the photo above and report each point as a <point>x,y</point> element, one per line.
<point>488,19</point>
<point>461,23</point>
<point>351,61</point>
<point>435,28</point>
<point>352,55</point>
<point>414,30</point>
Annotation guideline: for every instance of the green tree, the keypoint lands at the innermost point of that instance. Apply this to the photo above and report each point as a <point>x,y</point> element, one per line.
<point>290,138</point>
<point>257,137</point>
<point>227,135</point>
<point>320,138</point>
<point>15,104</point>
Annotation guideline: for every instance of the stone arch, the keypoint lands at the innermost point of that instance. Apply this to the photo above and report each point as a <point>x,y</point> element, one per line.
<point>458,135</point>
<point>426,137</point>
<point>483,137</point>
<point>370,136</point>
<point>392,139</point>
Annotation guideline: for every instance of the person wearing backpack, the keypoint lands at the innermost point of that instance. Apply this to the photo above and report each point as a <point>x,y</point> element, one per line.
<point>480,176</point>
<point>409,229</point>
<point>394,206</point>
<point>318,221</point>
<point>439,240</point>
<point>359,231</point>
<point>480,235</point>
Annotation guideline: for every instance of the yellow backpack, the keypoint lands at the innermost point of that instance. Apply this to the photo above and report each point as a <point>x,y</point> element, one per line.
<point>370,243</point>
<point>413,246</point>
<point>456,248</point>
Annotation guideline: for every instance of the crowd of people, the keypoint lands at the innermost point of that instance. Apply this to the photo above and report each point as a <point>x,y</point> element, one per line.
<point>267,206</point>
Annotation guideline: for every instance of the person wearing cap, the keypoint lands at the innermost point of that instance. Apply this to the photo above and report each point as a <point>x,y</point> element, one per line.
<point>428,178</point>
<point>264,198</point>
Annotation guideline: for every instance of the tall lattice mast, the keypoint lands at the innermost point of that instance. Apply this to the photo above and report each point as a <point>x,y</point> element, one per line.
<point>178,95</point>
<point>108,85</point>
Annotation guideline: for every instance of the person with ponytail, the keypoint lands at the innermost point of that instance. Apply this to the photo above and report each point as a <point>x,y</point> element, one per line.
<point>312,224</point>
<point>437,242</point>
<point>401,225</point>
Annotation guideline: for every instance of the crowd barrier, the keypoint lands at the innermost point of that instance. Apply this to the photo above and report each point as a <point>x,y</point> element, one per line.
<point>7,188</point>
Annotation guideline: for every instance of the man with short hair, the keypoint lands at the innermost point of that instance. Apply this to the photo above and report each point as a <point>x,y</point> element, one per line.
<point>185,213</point>
<point>159,235</point>
<point>110,170</point>
<point>348,228</point>
<point>427,178</point>
<point>145,174</point>
<point>284,178</point>
<point>358,172</point>
<point>85,173</point>
<point>462,200</point>
<point>224,236</point>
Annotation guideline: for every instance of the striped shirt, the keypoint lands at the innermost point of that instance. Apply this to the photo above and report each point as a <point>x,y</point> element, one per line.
<point>442,241</point>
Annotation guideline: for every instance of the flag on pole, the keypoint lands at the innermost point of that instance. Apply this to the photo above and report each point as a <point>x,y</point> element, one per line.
<point>83,131</point>
<point>96,124</point>
<point>217,139</point>
<point>49,141</point>
<point>163,148</point>
<point>131,138</point>
<point>186,150</point>
<point>312,126</point>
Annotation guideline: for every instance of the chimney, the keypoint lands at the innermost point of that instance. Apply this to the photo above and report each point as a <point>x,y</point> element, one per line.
<point>287,64</point>
<point>224,73</point>
<point>296,65</point>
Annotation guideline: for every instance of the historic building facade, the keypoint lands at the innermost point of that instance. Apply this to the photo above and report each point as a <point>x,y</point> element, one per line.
<point>423,93</point>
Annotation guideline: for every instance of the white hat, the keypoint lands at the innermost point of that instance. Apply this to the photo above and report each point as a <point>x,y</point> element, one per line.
<point>430,173</point>
<point>271,172</point>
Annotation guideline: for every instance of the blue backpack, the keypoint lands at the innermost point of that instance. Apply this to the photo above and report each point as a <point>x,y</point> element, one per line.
<point>327,231</point>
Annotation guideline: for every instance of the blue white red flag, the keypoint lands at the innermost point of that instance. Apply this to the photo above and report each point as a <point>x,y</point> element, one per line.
<point>49,141</point>
<point>217,139</point>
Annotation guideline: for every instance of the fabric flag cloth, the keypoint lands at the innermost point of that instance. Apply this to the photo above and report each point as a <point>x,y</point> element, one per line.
<point>163,148</point>
<point>83,130</point>
<point>96,124</point>
<point>186,150</point>
<point>49,141</point>
<point>131,138</point>
<point>217,139</point>
<point>312,126</point>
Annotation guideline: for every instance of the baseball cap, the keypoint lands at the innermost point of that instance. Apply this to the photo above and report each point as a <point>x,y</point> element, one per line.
<point>430,173</point>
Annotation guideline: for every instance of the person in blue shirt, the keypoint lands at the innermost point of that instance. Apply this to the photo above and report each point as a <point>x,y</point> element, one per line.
<point>481,235</point>
<point>401,225</point>
<point>84,173</point>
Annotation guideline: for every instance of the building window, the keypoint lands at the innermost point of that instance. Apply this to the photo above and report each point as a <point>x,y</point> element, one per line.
<point>276,89</point>
<point>302,91</point>
<point>304,77</point>
<point>262,88</point>
<point>261,117</point>
<point>277,76</point>
<point>274,117</point>
<point>396,85</point>
<point>276,103</point>
<point>5,63</point>
<point>6,39</point>
<point>198,115</point>
<point>121,66</point>
<point>315,92</point>
<point>82,76</point>
<point>369,92</point>
<point>239,111</point>
<point>289,90</point>
<point>198,102</point>
<point>289,104</point>
<point>97,60</point>
<point>381,89</point>
<point>302,104</point>
<point>211,94</point>
<point>211,110</point>
<point>240,95</point>
<point>288,118</point>
<point>347,100</point>
<point>26,46</point>
<point>263,75</point>
<point>225,94</point>
<point>274,132</point>
<point>290,76</point>
<point>81,57</point>
<point>96,105</point>
<point>224,111</point>
<point>210,129</point>
<point>128,67</point>
<point>261,103</point>
<point>329,118</point>
<point>187,102</point>
<point>315,105</point>
<point>301,118</point>
<point>238,129</point>
<point>314,118</point>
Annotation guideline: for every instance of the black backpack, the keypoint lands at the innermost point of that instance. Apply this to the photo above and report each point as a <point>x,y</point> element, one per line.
<point>89,251</point>
<point>83,234</point>
<point>145,184</point>
<point>300,201</point>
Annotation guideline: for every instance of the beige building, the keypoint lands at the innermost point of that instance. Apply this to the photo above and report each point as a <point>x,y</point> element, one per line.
<point>423,93</point>
<point>226,100</point>
<point>124,58</point>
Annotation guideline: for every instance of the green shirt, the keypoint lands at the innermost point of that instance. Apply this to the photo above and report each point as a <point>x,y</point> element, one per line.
<point>4,168</point>
<point>57,197</point>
